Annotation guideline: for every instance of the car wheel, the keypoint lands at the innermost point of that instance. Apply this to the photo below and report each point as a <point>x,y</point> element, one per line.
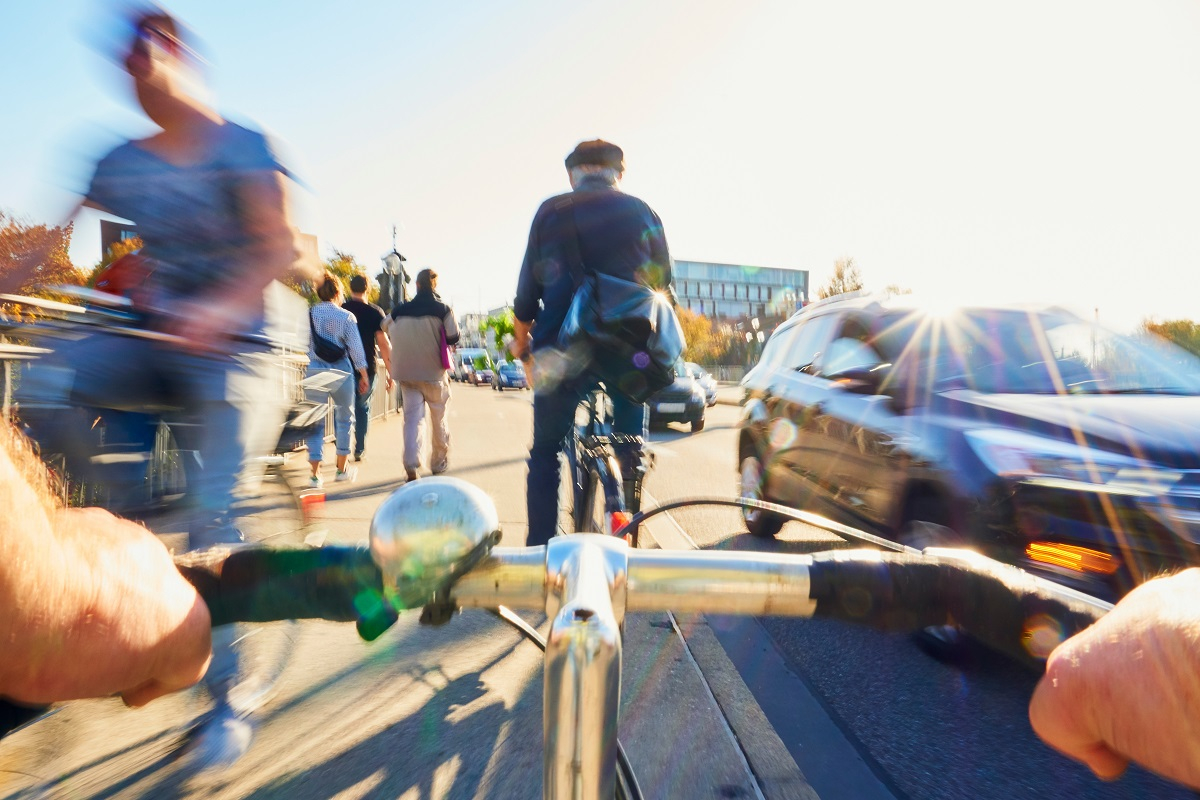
<point>948,643</point>
<point>758,522</point>
<point>698,424</point>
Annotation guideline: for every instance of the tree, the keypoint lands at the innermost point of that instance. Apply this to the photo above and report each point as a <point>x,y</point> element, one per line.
<point>702,342</point>
<point>846,278</point>
<point>116,251</point>
<point>344,266</point>
<point>49,247</point>
<point>502,324</point>
<point>1182,332</point>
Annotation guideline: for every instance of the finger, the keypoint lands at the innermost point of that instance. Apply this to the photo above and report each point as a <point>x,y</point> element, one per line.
<point>1065,726</point>
<point>142,694</point>
<point>1104,762</point>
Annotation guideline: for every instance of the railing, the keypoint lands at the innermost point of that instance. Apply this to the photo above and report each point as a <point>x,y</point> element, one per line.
<point>727,372</point>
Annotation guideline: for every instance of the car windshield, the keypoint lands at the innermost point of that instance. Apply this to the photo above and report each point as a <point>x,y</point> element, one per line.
<point>1039,352</point>
<point>510,369</point>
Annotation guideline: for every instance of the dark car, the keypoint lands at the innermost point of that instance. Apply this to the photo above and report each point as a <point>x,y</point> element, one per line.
<point>509,376</point>
<point>682,401</point>
<point>1026,433</point>
<point>707,382</point>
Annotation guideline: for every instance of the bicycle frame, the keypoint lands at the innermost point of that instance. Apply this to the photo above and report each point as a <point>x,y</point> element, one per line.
<point>597,469</point>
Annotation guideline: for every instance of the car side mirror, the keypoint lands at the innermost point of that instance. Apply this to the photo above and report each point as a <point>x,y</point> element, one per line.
<point>861,380</point>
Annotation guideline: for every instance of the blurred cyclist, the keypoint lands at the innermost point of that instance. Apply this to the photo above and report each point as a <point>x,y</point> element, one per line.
<point>619,235</point>
<point>208,199</point>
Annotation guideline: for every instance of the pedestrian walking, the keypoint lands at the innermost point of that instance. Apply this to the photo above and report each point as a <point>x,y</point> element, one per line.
<point>370,330</point>
<point>420,331</point>
<point>335,349</point>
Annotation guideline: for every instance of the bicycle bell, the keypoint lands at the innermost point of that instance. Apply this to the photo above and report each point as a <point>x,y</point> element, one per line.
<point>429,531</point>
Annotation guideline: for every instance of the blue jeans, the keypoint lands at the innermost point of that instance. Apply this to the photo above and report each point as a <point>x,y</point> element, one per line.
<point>553,416</point>
<point>232,400</point>
<point>362,414</point>
<point>342,393</point>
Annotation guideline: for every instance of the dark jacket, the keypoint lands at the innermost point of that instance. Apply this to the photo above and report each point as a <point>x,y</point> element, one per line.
<point>618,234</point>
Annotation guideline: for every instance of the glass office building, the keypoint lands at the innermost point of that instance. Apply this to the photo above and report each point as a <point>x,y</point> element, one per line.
<point>733,292</point>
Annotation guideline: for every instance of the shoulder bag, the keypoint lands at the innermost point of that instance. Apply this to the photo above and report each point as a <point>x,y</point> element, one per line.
<point>632,332</point>
<point>328,351</point>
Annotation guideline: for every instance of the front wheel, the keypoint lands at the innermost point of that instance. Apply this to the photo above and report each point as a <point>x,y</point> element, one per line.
<point>698,425</point>
<point>759,523</point>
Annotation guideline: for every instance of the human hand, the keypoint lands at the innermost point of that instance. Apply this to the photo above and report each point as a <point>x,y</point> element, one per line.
<point>1128,688</point>
<point>390,382</point>
<point>101,610</point>
<point>363,384</point>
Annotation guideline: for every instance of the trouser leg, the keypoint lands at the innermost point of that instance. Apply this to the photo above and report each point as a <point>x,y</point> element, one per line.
<point>437,396</point>
<point>362,415</point>
<point>553,415</point>
<point>414,415</point>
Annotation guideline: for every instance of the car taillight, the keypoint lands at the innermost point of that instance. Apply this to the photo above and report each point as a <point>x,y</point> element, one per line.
<point>1072,557</point>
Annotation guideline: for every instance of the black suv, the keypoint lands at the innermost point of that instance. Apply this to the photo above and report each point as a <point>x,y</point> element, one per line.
<point>1026,433</point>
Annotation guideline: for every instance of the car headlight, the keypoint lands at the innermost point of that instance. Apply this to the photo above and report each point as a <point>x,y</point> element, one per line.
<point>1018,455</point>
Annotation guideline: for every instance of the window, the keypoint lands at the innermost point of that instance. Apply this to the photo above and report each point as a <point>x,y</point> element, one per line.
<point>810,340</point>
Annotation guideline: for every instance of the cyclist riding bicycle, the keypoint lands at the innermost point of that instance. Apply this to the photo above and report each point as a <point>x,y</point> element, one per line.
<point>208,198</point>
<point>620,235</point>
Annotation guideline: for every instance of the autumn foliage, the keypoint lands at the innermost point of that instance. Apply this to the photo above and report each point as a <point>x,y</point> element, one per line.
<point>34,255</point>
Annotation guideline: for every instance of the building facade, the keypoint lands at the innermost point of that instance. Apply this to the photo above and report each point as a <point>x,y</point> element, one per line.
<point>732,292</point>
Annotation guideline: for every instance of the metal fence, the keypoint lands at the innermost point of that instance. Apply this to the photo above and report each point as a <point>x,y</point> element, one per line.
<point>726,372</point>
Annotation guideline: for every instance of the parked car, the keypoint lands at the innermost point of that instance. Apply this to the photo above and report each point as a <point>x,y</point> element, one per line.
<point>463,362</point>
<point>509,376</point>
<point>707,382</point>
<point>682,401</point>
<point>478,375</point>
<point>1027,433</point>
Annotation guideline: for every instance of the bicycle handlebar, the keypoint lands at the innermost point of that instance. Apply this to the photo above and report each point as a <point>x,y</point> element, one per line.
<point>1008,609</point>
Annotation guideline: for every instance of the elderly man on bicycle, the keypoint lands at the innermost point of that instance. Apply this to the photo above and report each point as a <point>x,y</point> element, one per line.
<point>618,234</point>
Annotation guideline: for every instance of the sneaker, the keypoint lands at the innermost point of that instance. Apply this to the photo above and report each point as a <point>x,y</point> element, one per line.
<point>359,455</point>
<point>347,474</point>
<point>315,482</point>
<point>219,741</point>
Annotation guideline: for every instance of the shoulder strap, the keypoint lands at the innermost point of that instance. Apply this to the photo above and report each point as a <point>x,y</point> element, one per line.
<point>566,207</point>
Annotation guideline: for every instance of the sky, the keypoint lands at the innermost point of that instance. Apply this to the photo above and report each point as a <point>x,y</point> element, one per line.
<point>1022,150</point>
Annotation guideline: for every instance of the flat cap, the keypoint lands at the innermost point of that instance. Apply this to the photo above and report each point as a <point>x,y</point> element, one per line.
<point>598,152</point>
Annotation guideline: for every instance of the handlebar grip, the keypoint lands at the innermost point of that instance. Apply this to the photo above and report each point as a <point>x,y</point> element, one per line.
<point>1002,606</point>
<point>262,584</point>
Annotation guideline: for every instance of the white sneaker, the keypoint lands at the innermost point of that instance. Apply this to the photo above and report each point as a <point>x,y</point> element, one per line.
<point>315,482</point>
<point>347,474</point>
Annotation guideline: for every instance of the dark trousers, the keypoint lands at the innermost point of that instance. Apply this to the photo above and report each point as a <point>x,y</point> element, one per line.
<point>553,416</point>
<point>362,413</point>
